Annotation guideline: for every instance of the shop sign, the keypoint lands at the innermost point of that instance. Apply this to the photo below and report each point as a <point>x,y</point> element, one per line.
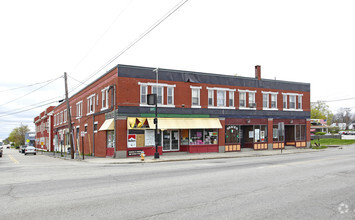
<point>132,140</point>
<point>232,127</point>
<point>134,152</point>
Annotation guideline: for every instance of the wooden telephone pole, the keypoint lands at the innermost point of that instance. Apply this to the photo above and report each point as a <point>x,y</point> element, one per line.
<point>69,117</point>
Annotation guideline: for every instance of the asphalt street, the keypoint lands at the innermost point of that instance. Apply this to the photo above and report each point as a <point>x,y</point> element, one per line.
<point>315,185</point>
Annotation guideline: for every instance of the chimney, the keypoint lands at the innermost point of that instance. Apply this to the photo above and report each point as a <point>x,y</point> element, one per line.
<point>258,72</point>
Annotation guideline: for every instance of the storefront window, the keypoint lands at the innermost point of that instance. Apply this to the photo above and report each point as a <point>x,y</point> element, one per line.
<point>300,132</point>
<point>203,136</point>
<point>232,134</point>
<point>278,133</point>
<point>260,133</point>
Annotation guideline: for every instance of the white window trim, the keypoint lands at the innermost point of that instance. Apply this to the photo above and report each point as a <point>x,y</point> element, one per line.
<point>157,85</point>
<point>268,102</point>
<point>229,94</point>
<point>140,94</point>
<point>224,100</point>
<point>172,94</point>
<point>89,99</point>
<point>250,91</point>
<point>198,88</point>
<point>96,123</point>
<point>283,101</point>
<point>221,89</point>
<point>79,114</point>
<point>242,107</point>
<point>85,125</point>
<point>104,91</point>
<point>210,106</point>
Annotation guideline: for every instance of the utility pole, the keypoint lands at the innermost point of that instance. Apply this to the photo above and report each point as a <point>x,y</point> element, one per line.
<point>69,117</point>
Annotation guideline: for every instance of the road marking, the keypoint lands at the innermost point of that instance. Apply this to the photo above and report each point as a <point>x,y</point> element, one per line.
<point>13,159</point>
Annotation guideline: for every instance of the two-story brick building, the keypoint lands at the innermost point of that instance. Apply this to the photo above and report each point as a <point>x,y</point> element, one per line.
<point>197,112</point>
<point>44,130</point>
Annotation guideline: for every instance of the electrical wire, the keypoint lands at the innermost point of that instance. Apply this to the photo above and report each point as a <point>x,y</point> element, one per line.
<point>31,91</point>
<point>25,86</point>
<point>129,46</point>
<point>13,113</point>
<point>102,35</point>
<point>76,80</point>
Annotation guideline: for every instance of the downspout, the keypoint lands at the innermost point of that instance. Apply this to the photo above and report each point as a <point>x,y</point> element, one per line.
<point>114,121</point>
<point>101,112</point>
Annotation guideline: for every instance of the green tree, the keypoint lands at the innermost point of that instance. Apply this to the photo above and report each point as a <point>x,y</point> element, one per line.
<point>320,110</point>
<point>17,135</point>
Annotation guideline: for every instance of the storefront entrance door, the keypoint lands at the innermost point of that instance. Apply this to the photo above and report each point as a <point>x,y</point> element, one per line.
<point>110,143</point>
<point>171,140</point>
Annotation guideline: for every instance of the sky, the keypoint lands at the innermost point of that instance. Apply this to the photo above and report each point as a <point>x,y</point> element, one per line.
<point>309,41</point>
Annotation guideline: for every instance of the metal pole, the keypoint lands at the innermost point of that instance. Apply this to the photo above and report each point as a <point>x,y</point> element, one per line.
<point>156,155</point>
<point>82,140</point>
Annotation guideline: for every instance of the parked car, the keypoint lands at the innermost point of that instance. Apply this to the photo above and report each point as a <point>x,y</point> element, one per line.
<point>30,150</point>
<point>22,149</point>
<point>0,151</point>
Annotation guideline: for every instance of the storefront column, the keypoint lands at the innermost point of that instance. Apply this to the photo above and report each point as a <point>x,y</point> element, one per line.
<point>308,132</point>
<point>221,136</point>
<point>270,124</point>
<point>121,136</point>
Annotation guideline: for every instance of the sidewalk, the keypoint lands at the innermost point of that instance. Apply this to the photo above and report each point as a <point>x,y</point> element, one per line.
<point>181,156</point>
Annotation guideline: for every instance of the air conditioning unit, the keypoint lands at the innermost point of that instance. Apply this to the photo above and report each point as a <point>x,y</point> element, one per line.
<point>252,105</point>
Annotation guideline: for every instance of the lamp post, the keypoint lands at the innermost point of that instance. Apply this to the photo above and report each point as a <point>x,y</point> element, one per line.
<point>153,100</point>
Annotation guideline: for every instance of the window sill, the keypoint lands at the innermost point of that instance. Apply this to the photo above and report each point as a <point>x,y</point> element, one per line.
<point>91,113</point>
<point>104,109</point>
<point>220,107</point>
<point>195,106</point>
<point>270,109</point>
<point>245,108</point>
<point>78,117</point>
<point>293,110</point>
<point>159,105</point>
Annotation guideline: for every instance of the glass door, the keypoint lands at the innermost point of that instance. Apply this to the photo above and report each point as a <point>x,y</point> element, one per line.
<point>171,140</point>
<point>175,140</point>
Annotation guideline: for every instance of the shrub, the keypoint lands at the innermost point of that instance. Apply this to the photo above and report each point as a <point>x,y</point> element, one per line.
<point>320,133</point>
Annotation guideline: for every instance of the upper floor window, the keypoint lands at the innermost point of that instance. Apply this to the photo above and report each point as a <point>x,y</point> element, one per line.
<point>242,99</point>
<point>231,99</point>
<point>210,97</point>
<point>195,96</point>
<point>79,109</point>
<point>252,103</point>
<point>285,101</point>
<point>158,89</point>
<point>265,100</point>
<point>299,102</point>
<point>170,96</point>
<point>292,102</point>
<point>274,101</point>
<point>91,104</point>
<point>144,92</point>
<point>65,115</point>
<point>160,94</point>
<point>221,98</point>
<point>104,99</point>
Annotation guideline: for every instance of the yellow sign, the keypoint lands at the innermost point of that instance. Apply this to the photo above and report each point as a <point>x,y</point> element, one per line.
<point>28,140</point>
<point>42,143</point>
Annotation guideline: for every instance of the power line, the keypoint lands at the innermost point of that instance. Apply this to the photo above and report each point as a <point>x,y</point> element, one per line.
<point>102,35</point>
<point>25,86</point>
<point>13,113</point>
<point>145,33</point>
<point>76,80</point>
<point>31,91</point>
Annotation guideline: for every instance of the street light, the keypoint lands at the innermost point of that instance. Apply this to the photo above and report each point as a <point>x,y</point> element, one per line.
<point>153,100</point>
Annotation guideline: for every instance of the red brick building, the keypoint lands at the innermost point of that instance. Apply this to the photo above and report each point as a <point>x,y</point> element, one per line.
<point>197,112</point>
<point>44,130</point>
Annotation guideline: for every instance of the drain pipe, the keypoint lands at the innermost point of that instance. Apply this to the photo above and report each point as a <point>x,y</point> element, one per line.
<point>99,113</point>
